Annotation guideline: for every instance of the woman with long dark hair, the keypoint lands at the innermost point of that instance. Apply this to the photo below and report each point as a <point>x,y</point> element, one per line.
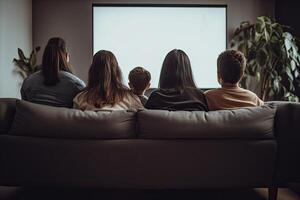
<point>177,89</point>
<point>105,89</point>
<point>55,83</point>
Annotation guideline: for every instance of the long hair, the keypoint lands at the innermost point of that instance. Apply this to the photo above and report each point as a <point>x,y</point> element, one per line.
<point>176,72</point>
<point>105,84</point>
<point>54,60</point>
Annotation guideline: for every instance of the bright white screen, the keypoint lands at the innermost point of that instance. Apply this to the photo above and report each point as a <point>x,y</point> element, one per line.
<point>142,36</point>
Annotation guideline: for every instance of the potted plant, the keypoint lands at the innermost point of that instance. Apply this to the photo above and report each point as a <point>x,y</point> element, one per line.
<point>26,65</point>
<point>273,59</point>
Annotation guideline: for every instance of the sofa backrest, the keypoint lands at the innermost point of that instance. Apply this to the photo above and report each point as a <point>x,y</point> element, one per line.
<point>245,123</point>
<point>47,121</point>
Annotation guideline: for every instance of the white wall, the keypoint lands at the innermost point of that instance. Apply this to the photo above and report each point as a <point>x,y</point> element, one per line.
<point>15,32</point>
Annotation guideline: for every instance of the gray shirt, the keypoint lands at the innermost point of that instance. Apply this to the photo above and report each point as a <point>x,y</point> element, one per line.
<point>61,94</point>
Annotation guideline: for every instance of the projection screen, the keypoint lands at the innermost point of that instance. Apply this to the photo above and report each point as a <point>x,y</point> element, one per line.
<point>143,35</point>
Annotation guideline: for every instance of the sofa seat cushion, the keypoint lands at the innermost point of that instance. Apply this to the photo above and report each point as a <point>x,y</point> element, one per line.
<point>255,122</point>
<point>46,121</point>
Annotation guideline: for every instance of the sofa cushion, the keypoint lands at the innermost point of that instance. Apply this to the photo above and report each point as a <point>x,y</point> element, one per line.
<point>46,121</point>
<point>255,122</point>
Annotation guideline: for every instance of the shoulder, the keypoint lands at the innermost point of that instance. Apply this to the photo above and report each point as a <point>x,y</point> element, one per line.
<point>212,91</point>
<point>34,76</point>
<point>71,77</point>
<point>79,100</point>
<point>156,94</point>
<point>33,79</point>
<point>254,97</point>
<point>68,75</point>
<point>132,100</point>
<point>249,93</point>
<point>198,91</point>
<point>153,101</point>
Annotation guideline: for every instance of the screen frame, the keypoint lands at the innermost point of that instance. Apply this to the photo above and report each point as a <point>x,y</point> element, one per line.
<point>162,5</point>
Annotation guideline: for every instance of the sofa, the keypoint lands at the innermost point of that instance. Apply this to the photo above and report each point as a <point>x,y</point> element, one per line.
<point>149,149</point>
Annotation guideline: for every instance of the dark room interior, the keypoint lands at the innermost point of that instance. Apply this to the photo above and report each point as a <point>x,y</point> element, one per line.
<point>150,99</point>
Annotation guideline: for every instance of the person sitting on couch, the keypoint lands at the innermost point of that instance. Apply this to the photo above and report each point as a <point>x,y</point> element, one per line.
<point>54,84</point>
<point>177,89</point>
<point>139,81</point>
<point>105,89</point>
<point>230,70</point>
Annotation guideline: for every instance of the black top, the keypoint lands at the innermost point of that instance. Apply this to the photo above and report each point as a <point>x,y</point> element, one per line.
<point>172,99</point>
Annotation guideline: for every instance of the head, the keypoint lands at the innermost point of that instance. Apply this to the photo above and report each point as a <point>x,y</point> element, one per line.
<point>105,85</point>
<point>176,71</point>
<point>231,65</point>
<point>55,58</point>
<point>139,80</point>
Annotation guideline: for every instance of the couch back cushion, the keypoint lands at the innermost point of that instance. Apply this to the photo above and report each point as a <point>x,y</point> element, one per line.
<point>46,121</point>
<point>255,122</point>
<point>7,113</point>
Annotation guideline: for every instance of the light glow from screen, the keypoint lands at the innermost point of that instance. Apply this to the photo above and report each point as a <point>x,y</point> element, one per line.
<point>142,36</point>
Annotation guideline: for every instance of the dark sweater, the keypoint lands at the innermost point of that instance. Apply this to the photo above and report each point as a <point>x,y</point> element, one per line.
<point>172,99</point>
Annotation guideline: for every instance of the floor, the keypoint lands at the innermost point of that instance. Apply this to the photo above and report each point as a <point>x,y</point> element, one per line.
<point>12,193</point>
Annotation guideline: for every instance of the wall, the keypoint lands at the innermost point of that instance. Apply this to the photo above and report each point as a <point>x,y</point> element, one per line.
<point>72,20</point>
<point>15,32</point>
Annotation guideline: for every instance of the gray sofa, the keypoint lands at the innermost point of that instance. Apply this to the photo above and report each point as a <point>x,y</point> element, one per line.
<point>149,149</point>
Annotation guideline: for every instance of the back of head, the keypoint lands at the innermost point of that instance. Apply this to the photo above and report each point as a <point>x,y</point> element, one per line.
<point>231,65</point>
<point>105,85</point>
<point>54,60</point>
<point>176,71</point>
<point>139,79</point>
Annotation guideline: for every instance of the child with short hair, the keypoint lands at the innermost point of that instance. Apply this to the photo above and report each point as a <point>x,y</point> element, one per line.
<point>139,82</point>
<point>230,70</point>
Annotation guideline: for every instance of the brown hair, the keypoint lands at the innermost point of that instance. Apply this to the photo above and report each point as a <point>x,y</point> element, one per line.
<point>105,85</point>
<point>54,60</point>
<point>231,65</point>
<point>139,78</point>
<point>176,71</point>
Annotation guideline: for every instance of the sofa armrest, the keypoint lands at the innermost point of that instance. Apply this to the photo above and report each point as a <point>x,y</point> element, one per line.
<point>7,113</point>
<point>287,134</point>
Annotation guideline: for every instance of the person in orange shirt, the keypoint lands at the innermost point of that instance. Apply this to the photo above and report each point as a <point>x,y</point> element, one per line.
<point>230,70</point>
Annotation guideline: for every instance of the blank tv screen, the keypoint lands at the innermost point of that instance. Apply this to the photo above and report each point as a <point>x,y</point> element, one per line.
<point>143,35</point>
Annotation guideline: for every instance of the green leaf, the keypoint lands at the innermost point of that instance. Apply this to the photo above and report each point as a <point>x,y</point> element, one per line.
<point>261,57</point>
<point>21,64</point>
<point>21,54</point>
<point>287,44</point>
<point>289,73</point>
<point>292,87</point>
<point>32,60</point>
<point>287,35</point>
<point>293,65</point>
<point>296,73</point>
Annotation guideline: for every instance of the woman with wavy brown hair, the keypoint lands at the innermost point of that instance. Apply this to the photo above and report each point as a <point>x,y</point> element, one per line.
<point>55,83</point>
<point>105,89</point>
